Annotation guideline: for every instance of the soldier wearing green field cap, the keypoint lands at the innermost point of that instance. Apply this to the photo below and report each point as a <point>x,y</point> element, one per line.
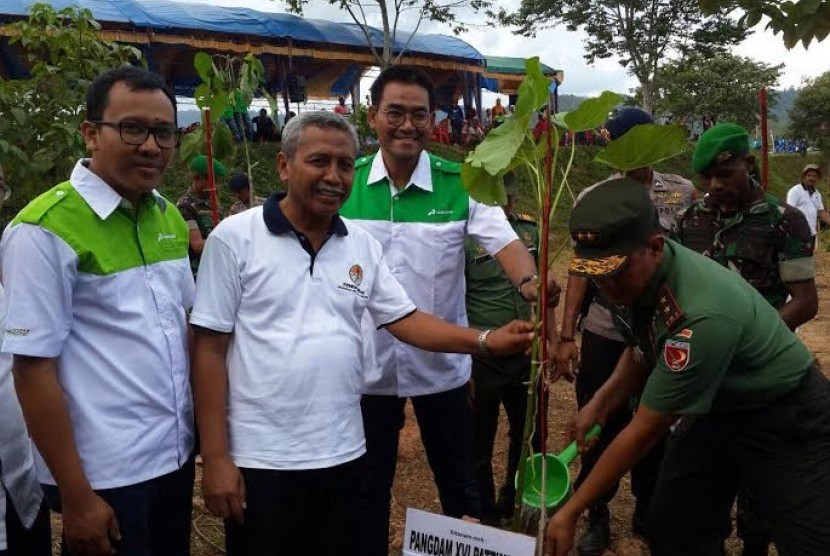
<point>767,242</point>
<point>195,207</point>
<point>746,403</point>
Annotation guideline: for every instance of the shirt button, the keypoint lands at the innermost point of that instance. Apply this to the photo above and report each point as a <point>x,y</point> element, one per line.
<point>438,164</point>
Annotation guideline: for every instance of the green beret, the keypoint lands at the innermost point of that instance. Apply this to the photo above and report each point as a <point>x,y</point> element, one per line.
<point>719,143</point>
<point>199,166</point>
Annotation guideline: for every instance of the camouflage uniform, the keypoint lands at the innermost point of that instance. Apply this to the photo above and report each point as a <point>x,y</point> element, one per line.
<point>768,243</point>
<point>239,206</point>
<point>196,211</point>
<point>493,301</point>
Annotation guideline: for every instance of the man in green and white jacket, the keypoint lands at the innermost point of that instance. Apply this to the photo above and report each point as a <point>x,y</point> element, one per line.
<point>413,203</point>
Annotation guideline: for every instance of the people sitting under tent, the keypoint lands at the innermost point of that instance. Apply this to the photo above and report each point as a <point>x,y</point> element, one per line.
<point>472,133</point>
<point>266,130</point>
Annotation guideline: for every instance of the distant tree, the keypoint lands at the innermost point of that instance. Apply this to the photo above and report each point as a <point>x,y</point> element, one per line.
<point>391,12</point>
<point>723,86</point>
<point>40,138</point>
<point>810,113</point>
<point>795,20</point>
<point>640,33</point>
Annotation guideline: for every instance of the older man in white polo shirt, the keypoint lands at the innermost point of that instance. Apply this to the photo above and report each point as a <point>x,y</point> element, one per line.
<point>24,516</point>
<point>278,369</point>
<point>805,197</point>
<point>98,281</point>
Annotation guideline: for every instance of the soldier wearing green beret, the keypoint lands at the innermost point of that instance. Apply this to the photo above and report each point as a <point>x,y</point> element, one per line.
<point>755,408</point>
<point>492,301</point>
<point>740,226</point>
<point>195,207</point>
<point>766,241</point>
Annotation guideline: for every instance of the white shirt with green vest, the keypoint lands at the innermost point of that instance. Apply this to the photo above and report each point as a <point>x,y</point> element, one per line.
<point>104,288</point>
<point>422,228</point>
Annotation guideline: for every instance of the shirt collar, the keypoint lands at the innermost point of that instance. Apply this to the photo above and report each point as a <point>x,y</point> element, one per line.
<point>808,189</point>
<point>277,223</point>
<point>100,196</point>
<point>649,296</point>
<point>421,177</point>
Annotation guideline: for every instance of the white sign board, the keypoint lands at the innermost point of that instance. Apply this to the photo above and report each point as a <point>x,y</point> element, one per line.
<point>438,535</point>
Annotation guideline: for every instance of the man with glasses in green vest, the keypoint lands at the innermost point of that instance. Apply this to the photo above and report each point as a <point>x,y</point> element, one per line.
<point>97,280</point>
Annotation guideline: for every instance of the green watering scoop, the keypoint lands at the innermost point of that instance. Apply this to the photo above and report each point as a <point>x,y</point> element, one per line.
<point>558,478</point>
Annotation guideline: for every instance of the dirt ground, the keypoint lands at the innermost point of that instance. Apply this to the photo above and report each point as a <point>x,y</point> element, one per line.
<point>414,486</point>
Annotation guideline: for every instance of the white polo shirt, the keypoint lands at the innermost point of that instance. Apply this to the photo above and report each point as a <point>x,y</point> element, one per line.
<point>808,203</point>
<point>422,229</point>
<point>105,292</point>
<point>295,370</point>
<point>17,467</point>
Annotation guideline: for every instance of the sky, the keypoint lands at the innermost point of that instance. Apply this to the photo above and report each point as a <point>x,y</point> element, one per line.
<point>563,49</point>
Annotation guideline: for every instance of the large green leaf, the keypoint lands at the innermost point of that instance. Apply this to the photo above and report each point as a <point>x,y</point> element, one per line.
<point>495,153</point>
<point>272,103</point>
<point>485,167</point>
<point>204,65</point>
<point>592,113</point>
<point>192,144</point>
<point>223,145</point>
<point>534,92</point>
<point>483,187</point>
<point>644,145</point>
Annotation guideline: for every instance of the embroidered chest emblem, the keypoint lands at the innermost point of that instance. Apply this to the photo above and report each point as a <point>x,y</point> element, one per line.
<point>356,274</point>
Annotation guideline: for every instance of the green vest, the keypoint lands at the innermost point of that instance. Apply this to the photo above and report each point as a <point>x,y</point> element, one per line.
<point>126,240</point>
<point>492,300</point>
<point>716,344</point>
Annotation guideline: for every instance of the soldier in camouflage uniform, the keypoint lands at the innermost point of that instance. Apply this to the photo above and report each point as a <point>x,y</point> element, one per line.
<point>493,301</point>
<point>767,242</point>
<point>603,342</point>
<point>195,207</point>
<point>241,187</point>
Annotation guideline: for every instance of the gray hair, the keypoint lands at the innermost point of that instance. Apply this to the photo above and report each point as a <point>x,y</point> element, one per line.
<point>292,133</point>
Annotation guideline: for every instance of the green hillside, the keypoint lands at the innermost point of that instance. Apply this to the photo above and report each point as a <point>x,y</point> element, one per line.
<point>784,171</point>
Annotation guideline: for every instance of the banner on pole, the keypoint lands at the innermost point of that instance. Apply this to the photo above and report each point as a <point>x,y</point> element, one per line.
<point>429,534</point>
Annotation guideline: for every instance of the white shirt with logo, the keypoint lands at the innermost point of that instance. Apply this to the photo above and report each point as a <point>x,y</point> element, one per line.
<point>295,366</point>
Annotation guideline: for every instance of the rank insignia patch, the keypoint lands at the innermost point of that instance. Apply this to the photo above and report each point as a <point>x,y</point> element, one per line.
<point>677,355</point>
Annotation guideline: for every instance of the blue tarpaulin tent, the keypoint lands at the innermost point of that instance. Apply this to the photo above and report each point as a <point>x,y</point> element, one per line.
<point>328,57</point>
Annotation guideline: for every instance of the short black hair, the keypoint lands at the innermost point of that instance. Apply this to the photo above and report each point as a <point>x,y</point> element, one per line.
<point>402,74</point>
<point>137,79</point>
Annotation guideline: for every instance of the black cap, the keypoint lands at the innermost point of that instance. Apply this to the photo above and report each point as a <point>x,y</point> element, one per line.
<point>625,119</point>
<point>239,182</point>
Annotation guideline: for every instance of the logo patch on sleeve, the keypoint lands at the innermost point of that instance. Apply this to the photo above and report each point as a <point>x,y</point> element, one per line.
<point>677,354</point>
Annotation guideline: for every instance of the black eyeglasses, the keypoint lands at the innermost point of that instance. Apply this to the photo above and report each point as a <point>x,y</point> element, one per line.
<point>133,133</point>
<point>420,118</point>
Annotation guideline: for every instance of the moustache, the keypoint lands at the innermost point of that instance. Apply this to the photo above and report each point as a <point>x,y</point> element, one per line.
<point>328,190</point>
